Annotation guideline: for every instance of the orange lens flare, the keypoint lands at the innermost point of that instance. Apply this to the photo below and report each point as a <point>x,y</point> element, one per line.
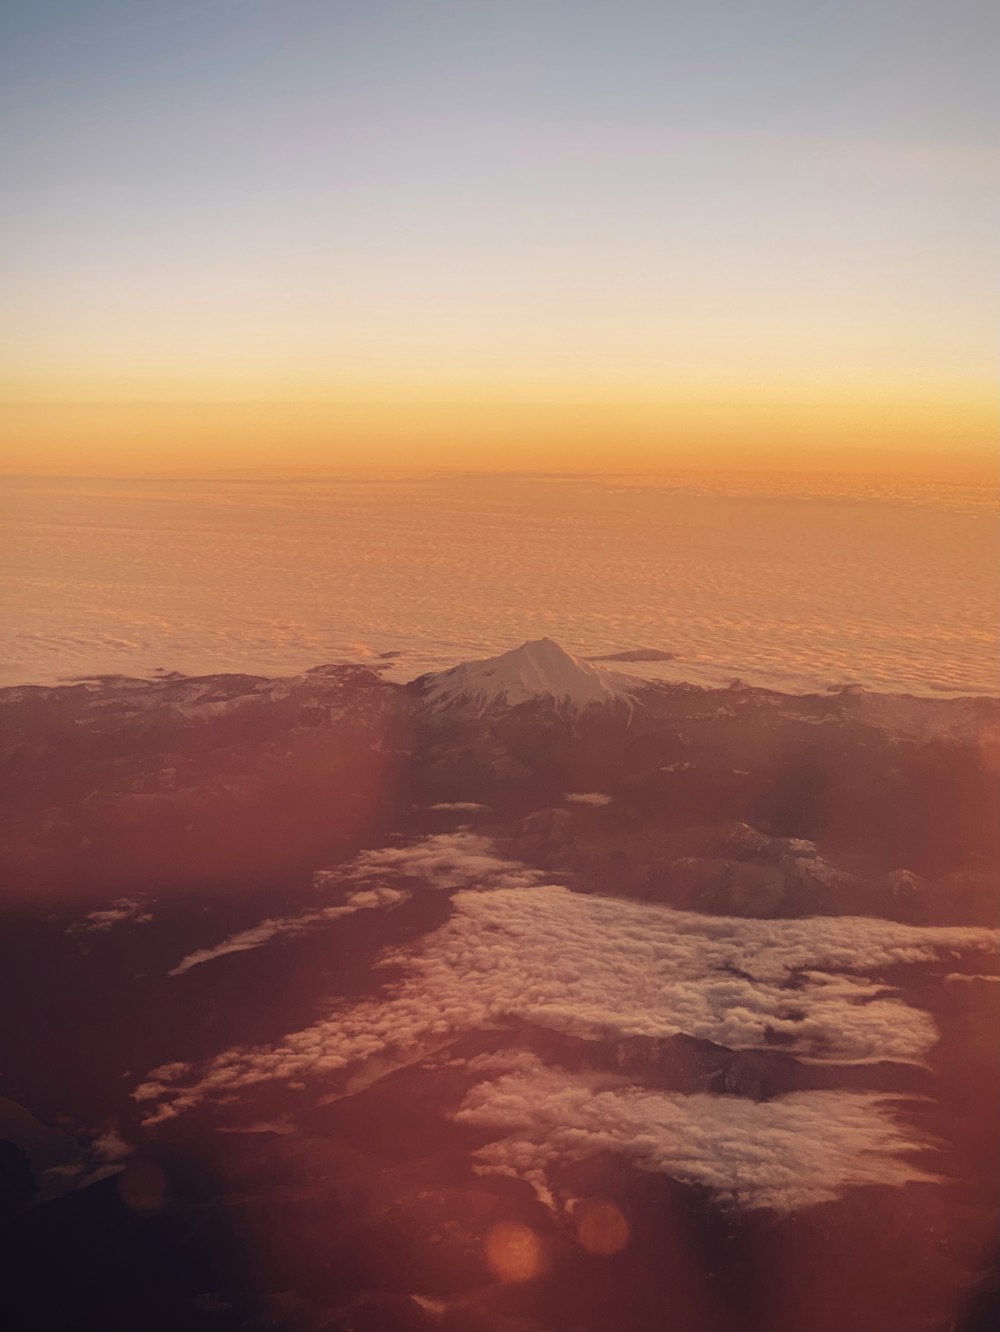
<point>142,1187</point>
<point>601,1228</point>
<point>514,1252</point>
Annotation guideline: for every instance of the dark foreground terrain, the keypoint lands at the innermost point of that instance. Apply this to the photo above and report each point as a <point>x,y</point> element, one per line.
<point>524,998</point>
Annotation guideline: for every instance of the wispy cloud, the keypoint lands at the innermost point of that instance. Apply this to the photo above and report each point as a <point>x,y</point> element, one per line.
<point>122,909</point>
<point>457,807</point>
<point>266,930</point>
<point>447,862</point>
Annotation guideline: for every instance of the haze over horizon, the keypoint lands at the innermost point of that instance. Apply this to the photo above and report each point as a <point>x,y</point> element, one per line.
<point>530,234</point>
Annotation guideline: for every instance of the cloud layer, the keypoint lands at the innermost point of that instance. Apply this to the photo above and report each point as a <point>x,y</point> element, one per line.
<point>599,967</point>
<point>793,1152</point>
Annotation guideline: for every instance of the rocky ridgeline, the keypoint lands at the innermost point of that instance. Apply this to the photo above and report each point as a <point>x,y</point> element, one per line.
<point>737,801</point>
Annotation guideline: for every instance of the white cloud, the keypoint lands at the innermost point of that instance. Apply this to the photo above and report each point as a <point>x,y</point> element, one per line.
<point>788,1153</point>
<point>447,861</point>
<point>603,967</point>
<point>111,1146</point>
<point>589,798</point>
<point>458,806</point>
<point>266,930</point>
<point>123,908</point>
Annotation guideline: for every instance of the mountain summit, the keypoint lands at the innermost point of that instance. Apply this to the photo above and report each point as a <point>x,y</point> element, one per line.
<point>536,670</point>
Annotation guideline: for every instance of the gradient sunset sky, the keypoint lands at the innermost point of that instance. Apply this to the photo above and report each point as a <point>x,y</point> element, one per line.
<point>516,232</point>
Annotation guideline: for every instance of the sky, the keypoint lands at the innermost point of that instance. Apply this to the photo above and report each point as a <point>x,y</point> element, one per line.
<point>504,233</point>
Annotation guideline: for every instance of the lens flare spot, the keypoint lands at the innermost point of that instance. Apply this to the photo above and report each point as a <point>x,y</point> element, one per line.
<point>514,1252</point>
<point>601,1228</point>
<point>142,1187</point>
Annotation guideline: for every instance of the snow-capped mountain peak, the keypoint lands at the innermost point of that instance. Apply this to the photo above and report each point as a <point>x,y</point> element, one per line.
<point>536,670</point>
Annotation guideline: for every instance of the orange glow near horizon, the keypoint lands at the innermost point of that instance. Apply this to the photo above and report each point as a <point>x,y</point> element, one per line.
<point>746,429</point>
